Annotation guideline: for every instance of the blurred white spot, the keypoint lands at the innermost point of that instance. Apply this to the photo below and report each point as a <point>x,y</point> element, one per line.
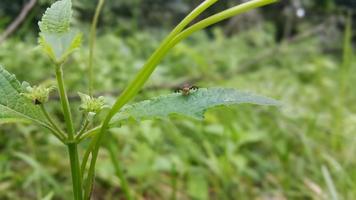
<point>300,12</point>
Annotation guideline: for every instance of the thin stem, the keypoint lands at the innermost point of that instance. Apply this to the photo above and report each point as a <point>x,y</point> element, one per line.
<point>59,132</point>
<point>89,133</point>
<point>118,169</point>
<point>135,85</point>
<point>83,129</point>
<point>173,38</point>
<point>71,145</point>
<point>65,103</point>
<point>220,17</point>
<point>92,39</point>
<point>86,157</point>
<point>163,49</point>
<point>55,133</point>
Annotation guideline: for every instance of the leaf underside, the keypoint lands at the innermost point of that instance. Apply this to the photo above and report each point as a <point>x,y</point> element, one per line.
<point>14,107</point>
<point>193,105</point>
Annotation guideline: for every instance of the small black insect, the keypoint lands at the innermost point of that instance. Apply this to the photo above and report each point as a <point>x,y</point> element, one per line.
<point>186,89</point>
<point>37,102</point>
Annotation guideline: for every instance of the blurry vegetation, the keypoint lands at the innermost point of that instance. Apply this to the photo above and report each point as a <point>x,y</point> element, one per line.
<point>304,151</point>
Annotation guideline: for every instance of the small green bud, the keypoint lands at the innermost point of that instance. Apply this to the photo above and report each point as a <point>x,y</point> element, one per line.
<point>38,94</point>
<point>90,104</point>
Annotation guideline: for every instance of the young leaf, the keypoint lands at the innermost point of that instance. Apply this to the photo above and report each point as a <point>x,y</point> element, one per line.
<point>57,18</point>
<point>14,105</point>
<point>59,46</point>
<point>193,105</point>
<point>56,38</point>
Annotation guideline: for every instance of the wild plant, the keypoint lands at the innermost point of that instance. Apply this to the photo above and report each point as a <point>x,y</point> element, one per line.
<point>23,102</point>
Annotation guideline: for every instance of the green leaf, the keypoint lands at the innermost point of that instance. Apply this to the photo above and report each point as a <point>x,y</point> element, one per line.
<point>59,46</point>
<point>14,105</point>
<point>56,38</point>
<point>193,105</point>
<point>57,18</point>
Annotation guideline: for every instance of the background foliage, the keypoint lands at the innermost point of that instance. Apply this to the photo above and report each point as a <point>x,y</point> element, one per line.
<point>305,150</point>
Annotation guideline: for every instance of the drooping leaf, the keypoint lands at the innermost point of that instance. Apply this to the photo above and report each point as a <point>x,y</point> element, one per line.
<point>193,105</point>
<point>14,105</point>
<point>56,38</point>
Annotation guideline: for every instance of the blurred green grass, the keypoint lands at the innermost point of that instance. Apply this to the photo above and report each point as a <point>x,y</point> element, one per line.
<point>304,150</point>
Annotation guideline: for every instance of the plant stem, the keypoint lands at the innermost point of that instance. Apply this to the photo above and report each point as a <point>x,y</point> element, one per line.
<point>59,132</point>
<point>172,39</point>
<point>65,103</point>
<point>75,170</point>
<point>72,146</point>
<point>89,133</point>
<point>118,169</point>
<point>220,17</point>
<point>86,157</point>
<point>135,85</point>
<point>84,127</point>
<point>92,45</point>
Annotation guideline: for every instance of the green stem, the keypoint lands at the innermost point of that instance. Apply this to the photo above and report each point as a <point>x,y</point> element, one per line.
<point>172,39</point>
<point>242,8</point>
<point>86,156</point>
<point>84,127</point>
<point>75,170</point>
<point>118,169</point>
<point>65,103</point>
<point>135,85</point>
<point>165,46</point>
<point>71,145</point>
<point>139,80</point>
<point>92,45</point>
<point>89,133</point>
<point>59,133</point>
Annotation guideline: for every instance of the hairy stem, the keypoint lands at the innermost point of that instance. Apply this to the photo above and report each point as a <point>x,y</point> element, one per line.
<point>59,133</point>
<point>75,169</point>
<point>65,103</point>
<point>84,127</point>
<point>72,146</point>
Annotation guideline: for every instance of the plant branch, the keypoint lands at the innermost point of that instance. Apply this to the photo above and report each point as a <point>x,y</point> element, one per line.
<point>59,132</point>
<point>136,84</point>
<point>92,41</point>
<point>84,127</point>
<point>173,38</point>
<point>72,146</point>
<point>65,103</point>
<point>86,157</point>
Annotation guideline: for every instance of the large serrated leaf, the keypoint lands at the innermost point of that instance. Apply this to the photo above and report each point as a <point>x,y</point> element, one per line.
<point>13,105</point>
<point>193,105</point>
<point>57,18</point>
